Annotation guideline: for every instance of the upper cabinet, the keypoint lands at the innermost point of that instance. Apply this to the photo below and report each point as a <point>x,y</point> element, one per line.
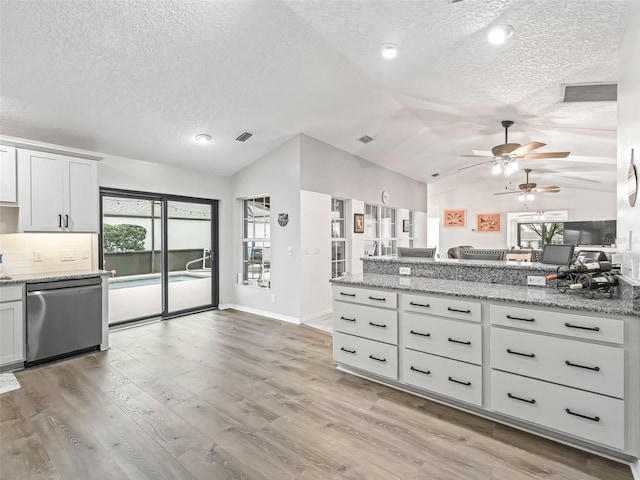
<point>8,177</point>
<point>58,193</point>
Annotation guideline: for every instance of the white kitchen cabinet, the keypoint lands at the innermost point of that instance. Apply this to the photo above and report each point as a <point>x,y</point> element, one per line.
<point>11,325</point>
<point>58,193</point>
<point>8,175</point>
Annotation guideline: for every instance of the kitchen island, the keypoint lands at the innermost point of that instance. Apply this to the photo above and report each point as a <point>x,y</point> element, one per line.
<point>562,366</point>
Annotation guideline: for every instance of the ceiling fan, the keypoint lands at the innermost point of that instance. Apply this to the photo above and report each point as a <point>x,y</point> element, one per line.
<point>526,190</point>
<point>504,157</point>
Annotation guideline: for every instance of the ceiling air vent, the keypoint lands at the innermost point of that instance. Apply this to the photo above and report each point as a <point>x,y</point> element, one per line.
<point>591,93</point>
<point>244,136</point>
<point>365,139</point>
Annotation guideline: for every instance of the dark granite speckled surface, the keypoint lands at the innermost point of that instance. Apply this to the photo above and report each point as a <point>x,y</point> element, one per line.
<point>546,297</point>
<point>51,277</point>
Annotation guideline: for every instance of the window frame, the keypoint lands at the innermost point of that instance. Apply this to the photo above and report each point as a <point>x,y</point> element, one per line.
<point>336,240</point>
<point>374,229</point>
<point>254,257</point>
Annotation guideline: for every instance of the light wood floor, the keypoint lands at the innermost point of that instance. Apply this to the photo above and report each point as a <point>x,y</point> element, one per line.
<point>222,395</point>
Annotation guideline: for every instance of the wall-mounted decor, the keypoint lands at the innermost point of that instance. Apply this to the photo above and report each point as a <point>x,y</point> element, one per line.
<point>455,218</point>
<point>283,219</point>
<point>632,182</point>
<point>488,222</point>
<point>358,223</point>
<point>405,226</point>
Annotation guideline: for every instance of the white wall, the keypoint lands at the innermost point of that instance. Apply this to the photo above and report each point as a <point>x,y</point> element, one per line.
<point>628,138</point>
<point>276,174</point>
<point>581,205</point>
<point>329,170</point>
<point>315,244</point>
<point>129,174</point>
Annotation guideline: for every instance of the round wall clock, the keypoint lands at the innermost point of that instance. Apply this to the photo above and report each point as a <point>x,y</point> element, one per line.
<point>385,197</point>
<point>632,182</point>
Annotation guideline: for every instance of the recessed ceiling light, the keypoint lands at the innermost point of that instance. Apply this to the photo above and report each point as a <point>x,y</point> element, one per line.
<point>389,51</point>
<point>202,138</point>
<point>499,34</point>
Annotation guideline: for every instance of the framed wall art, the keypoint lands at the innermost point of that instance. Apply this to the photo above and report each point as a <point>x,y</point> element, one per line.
<point>488,222</point>
<point>358,223</point>
<point>455,218</point>
<point>405,226</point>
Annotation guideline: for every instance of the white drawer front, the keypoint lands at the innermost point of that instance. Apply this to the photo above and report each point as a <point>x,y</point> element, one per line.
<point>570,324</point>
<point>447,377</point>
<point>375,357</point>
<point>596,368</point>
<point>440,336</point>
<point>365,296</point>
<point>369,322</point>
<point>586,415</point>
<point>442,306</point>
<point>11,294</point>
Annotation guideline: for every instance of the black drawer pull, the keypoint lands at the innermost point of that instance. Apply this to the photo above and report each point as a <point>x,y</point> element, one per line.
<point>377,325</point>
<point>348,351</point>
<point>459,341</point>
<point>532,401</point>
<point>513,352</point>
<point>459,311</point>
<point>427,372</point>
<point>468,384</point>
<point>348,294</point>
<point>425,305</point>
<point>413,332</point>
<point>510,317</point>
<point>66,223</point>
<point>595,419</point>
<point>59,221</point>
<point>377,359</point>
<point>593,329</point>
<point>595,369</point>
<point>378,299</point>
<point>348,319</point>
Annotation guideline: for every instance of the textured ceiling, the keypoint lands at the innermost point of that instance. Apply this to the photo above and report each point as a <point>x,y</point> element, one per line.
<point>139,79</point>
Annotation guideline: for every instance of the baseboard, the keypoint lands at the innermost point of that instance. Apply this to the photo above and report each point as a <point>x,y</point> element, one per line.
<point>262,313</point>
<point>635,470</point>
<point>316,315</point>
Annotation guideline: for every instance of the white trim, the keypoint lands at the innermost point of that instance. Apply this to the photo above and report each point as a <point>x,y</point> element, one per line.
<point>308,318</point>
<point>263,313</point>
<point>635,469</point>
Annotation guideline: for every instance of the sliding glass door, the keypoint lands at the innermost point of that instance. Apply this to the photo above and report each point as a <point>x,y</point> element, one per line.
<point>161,250</point>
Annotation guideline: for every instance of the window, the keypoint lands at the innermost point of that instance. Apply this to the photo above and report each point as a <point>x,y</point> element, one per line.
<point>380,231</point>
<point>338,238</point>
<point>256,244</point>
<point>537,235</point>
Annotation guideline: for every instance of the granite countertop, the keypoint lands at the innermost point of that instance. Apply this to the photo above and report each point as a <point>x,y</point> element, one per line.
<point>546,297</point>
<point>51,276</point>
<point>462,262</point>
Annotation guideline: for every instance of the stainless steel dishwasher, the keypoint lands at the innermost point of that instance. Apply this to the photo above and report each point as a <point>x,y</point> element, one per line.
<point>63,317</point>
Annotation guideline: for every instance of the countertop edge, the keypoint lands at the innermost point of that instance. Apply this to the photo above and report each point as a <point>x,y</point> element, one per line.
<point>52,277</point>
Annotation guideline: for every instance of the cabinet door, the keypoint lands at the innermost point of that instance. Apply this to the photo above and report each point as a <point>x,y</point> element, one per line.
<point>81,195</point>
<point>41,191</point>
<point>11,333</point>
<point>8,177</point>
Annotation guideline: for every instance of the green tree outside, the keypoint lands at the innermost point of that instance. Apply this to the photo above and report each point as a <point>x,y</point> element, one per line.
<point>124,238</point>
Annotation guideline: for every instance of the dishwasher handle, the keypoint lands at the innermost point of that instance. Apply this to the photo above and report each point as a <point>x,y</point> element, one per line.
<point>63,291</point>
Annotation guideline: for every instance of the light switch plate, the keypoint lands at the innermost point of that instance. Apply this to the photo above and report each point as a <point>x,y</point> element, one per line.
<point>405,270</point>
<point>404,282</point>
<point>536,280</point>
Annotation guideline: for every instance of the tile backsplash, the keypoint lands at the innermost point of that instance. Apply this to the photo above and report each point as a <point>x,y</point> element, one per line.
<point>25,253</point>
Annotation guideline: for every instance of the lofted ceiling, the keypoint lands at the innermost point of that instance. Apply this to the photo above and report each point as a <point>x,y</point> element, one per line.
<point>139,79</point>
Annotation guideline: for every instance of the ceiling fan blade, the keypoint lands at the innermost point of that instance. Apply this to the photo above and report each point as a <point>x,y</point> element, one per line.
<point>474,165</point>
<point>551,189</point>
<point>527,148</point>
<point>507,193</point>
<point>504,149</point>
<point>478,156</point>
<point>545,155</point>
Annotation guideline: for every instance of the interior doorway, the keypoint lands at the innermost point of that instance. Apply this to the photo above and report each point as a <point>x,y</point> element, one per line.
<point>162,250</point>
